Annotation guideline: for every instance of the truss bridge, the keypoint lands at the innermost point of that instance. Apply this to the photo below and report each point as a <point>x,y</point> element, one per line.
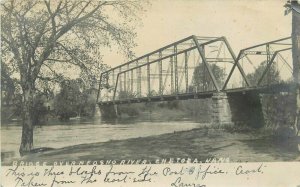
<point>201,67</point>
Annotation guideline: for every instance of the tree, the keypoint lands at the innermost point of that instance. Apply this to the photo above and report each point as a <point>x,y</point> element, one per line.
<point>88,106</point>
<point>294,7</point>
<point>271,76</point>
<point>40,38</point>
<point>74,100</point>
<point>68,102</point>
<point>40,109</point>
<point>7,86</point>
<point>201,79</point>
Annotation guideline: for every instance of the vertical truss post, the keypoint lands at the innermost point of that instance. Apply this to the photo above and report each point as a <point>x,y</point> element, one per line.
<point>120,79</point>
<point>125,79</point>
<point>186,72</point>
<point>148,77</point>
<point>106,79</point>
<point>131,82</point>
<point>176,69</point>
<point>268,61</point>
<point>99,88</point>
<point>160,73</point>
<point>128,79</point>
<point>139,82</point>
<point>116,85</point>
<point>113,76</point>
<point>172,78</point>
<point>205,83</point>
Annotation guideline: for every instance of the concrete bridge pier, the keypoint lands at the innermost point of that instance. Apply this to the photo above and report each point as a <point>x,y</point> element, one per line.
<point>238,109</point>
<point>221,113</point>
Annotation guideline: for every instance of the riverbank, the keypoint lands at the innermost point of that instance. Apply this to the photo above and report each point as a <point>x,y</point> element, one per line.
<point>201,143</point>
<point>168,111</point>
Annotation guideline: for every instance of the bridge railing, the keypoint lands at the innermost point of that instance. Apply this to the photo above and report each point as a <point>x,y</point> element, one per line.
<point>265,64</point>
<point>202,66</point>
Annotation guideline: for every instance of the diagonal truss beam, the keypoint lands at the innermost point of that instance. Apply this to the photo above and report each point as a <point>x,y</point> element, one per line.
<point>270,63</point>
<point>249,50</point>
<point>199,48</point>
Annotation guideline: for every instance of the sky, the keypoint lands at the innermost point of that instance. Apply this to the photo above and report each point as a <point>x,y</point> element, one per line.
<point>243,23</point>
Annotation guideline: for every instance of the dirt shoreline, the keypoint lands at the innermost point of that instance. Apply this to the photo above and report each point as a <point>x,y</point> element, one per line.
<point>201,143</point>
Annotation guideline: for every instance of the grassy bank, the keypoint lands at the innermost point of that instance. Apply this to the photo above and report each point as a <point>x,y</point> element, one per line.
<point>250,146</point>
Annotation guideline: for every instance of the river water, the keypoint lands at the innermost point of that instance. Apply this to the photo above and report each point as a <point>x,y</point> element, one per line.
<point>58,134</point>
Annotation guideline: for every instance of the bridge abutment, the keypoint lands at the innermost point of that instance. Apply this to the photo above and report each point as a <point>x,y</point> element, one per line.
<point>221,112</point>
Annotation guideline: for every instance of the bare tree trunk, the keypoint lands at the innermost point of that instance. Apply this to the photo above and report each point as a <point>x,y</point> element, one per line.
<point>27,119</point>
<point>296,58</point>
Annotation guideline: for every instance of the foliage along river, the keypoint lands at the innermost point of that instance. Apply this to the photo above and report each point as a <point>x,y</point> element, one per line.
<point>82,131</point>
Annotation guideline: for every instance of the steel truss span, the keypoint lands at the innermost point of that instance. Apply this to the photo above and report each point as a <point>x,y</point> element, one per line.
<point>197,67</point>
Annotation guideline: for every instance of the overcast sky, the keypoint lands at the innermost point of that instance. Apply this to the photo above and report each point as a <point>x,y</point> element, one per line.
<point>243,23</point>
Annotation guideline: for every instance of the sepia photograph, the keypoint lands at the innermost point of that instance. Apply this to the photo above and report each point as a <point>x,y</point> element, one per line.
<point>150,82</point>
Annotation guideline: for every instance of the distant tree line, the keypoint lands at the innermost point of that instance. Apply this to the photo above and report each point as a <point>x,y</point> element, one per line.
<point>72,100</point>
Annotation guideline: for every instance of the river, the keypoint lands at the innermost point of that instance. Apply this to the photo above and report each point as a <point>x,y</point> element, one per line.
<point>58,134</point>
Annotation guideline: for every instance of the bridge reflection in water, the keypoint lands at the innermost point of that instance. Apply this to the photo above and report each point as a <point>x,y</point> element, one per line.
<point>202,67</point>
